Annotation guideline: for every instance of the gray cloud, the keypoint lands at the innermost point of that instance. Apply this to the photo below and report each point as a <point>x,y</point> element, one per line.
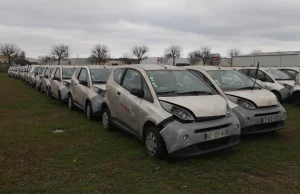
<point>35,25</point>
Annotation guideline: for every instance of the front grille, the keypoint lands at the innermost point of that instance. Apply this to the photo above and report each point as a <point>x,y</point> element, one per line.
<point>273,106</point>
<point>212,128</point>
<point>203,119</point>
<point>268,125</point>
<point>266,114</point>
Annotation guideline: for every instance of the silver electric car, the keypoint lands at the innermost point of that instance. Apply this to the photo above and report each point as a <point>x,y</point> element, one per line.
<point>60,82</point>
<point>265,80</point>
<point>170,109</point>
<point>257,109</point>
<point>32,75</point>
<point>46,78</point>
<point>87,89</point>
<point>39,78</point>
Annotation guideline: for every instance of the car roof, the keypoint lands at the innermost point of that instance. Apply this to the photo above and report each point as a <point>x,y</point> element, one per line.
<point>99,67</point>
<point>148,67</point>
<point>207,68</point>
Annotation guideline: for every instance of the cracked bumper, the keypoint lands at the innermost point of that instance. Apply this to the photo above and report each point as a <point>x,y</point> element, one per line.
<point>196,143</point>
<point>97,102</point>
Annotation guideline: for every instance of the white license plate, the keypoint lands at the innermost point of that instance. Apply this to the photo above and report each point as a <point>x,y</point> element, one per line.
<point>215,134</point>
<point>269,119</point>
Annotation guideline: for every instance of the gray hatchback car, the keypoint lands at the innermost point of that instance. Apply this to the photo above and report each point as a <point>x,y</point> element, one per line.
<point>170,109</point>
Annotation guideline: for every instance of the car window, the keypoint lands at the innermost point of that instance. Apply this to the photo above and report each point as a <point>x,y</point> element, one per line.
<point>244,71</point>
<point>292,73</point>
<point>46,71</point>
<point>100,75</point>
<point>83,75</point>
<point>77,71</point>
<point>278,75</point>
<point>57,73</point>
<point>67,73</point>
<point>132,80</point>
<point>118,74</point>
<point>177,82</point>
<point>202,76</point>
<point>199,74</point>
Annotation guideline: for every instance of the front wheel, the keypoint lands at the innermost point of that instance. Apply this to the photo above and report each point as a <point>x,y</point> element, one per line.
<point>106,119</point>
<point>154,143</point>
<point>49,92</point>
<point>70,103</point>
<point>89,111</point>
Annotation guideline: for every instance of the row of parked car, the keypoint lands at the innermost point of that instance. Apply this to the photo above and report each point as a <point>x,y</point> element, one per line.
<point>177,111</point>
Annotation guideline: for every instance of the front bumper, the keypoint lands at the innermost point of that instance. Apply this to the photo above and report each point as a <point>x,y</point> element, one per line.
<point>251,120</point>
<point>97,102</point>
<point>285,93</point>
<point>196,143</point>
<point>64,93</point>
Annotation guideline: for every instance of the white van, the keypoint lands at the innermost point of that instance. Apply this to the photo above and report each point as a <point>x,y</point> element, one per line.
<point>258,109</point>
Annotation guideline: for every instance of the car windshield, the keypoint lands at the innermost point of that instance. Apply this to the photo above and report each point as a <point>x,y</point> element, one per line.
<point>177,82</point>
<point>67,73</point>
<point>230,80</point>
<point>36,69</point>
<point>100,75</point>
<point>41,70</point>
<point>278,75</point>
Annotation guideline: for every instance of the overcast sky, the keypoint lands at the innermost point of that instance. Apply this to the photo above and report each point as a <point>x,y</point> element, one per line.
<point>36,25</point>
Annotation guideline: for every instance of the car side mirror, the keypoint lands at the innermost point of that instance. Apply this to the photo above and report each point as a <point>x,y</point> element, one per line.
<point>83,82</point>
<point>46,76</point>
<point>137,92</point>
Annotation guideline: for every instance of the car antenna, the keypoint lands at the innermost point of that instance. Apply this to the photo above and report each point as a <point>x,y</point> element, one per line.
<point>256,72</point>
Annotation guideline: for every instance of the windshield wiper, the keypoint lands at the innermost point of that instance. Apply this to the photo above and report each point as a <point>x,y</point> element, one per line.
<point>248,88</point>
<point>100,82</point>
<point>196,92</point>
<point>168,92</point>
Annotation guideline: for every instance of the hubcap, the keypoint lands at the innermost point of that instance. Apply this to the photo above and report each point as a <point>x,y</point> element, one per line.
<point>151,144</point>
<point>105,120</point>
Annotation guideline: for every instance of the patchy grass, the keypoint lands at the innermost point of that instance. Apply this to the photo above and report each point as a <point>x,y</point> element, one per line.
<point>87,159</point>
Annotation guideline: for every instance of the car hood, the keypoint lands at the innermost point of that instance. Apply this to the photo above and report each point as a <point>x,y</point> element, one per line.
<point>260,97</point>
<point>201,106</point>
<point>101,86</point>
<point>288,82</point>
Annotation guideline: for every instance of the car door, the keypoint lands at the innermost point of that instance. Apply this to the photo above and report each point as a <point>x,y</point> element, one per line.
<point>81,89</point>
<point>56,81</point>
<point>129,104</point>
<point>46,73</point>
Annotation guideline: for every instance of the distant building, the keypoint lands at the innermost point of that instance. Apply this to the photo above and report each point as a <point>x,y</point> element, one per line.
<point>161,60</point>
<point>268,59</point>
<point>3,59</point>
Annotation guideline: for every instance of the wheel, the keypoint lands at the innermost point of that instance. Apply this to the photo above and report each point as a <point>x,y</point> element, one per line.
<point>49,92</point>
<point>70,103</point>
<point>89,111</point>
<point>106,119</point>
<point>154,143</point>
<point>41,89</point>
<point>278,96</point>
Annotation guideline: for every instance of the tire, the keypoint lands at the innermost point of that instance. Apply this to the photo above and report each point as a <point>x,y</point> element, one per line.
<point>106,119</point>
<point>89,111</point>
<point>154,143</point>
<point>49,92</point>
<point>278,96</point>
<point>41,90</point>
<point>70,103</point>
<point>296,99</point>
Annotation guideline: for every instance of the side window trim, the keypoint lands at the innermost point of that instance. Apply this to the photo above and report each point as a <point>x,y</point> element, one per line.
<point>144,83</point>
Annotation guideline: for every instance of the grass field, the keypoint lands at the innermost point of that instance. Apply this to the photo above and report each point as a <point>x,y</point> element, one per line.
<point>88,159</point>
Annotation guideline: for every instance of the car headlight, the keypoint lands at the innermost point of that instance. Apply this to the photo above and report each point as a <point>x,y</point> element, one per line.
<point>242,102</point>
<point>99,91</point>
<point>66,84</point>
<point>287,86</point>
<point>177,111</point>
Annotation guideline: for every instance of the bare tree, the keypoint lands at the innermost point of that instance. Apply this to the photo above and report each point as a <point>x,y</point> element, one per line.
<point>92,59</point>
<point>234,52</point>
<point>204,54</point>
<point>173,52</point>
<point>256,51</point>
<point>194,57</point>
<point>11,51</point>
<point>139,52</point>
<point>100,53</point>
<point>59,52</point>
<point>126,58</point>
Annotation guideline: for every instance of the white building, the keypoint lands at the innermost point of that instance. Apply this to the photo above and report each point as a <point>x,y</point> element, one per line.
<point>161,60</point>
<point>268,59</point>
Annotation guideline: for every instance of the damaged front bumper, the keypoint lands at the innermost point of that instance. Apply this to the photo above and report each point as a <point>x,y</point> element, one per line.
<point>190,139</point>
<point>251,120</point>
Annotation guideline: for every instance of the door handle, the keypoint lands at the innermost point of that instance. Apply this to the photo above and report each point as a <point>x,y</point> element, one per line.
<point>75,84</point>
<point>119,93</point>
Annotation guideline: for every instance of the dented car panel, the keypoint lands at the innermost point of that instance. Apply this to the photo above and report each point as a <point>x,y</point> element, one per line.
<point>179,135</point>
